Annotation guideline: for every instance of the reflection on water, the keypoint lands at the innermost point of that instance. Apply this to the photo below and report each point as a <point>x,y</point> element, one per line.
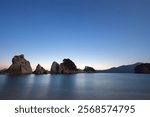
<point>76,86</point>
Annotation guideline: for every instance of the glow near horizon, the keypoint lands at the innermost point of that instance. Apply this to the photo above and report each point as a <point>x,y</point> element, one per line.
<point>94,33</point>
<point>47,65</point>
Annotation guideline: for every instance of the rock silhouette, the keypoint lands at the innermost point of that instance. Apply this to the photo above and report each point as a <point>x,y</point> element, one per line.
<point>19,66</point>
<point>89,69</point>
<point>55,68</point>
<point>40,70</point>
<point>143,68</point>
<point>68,66</point>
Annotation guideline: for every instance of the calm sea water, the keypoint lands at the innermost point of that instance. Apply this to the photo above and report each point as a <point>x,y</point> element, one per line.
<point>76,86</point>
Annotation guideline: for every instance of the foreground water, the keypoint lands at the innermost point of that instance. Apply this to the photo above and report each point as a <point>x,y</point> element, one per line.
<point>76,86</point>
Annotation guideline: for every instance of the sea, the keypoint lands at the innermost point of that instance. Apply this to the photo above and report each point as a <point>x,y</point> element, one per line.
<point>81,86</point>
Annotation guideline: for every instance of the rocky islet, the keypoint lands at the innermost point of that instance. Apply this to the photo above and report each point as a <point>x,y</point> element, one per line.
<point>19,66</point>
<point>22,66</point>
<point>40,70</point>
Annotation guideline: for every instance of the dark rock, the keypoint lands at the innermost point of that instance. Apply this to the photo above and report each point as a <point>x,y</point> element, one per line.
<point>143,68</point>
<point>40,70</point>
<point>89,69</point>
<point>55,68</point>
<point>67,67</point>
<point>19,66</point>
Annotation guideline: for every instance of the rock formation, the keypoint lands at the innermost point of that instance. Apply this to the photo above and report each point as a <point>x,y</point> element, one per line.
<point>55,68</point>
<point>89,69</point>
<point>40,70</point>
<point>67,67</point>
<point>19,66</point>
<point>143,68</point>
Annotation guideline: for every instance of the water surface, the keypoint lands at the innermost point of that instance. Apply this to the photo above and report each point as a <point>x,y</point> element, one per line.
<point>75,86</point>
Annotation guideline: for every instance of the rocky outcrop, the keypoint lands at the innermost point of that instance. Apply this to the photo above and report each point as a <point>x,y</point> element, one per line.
<point>68,66</point>
<point>143,68</point>
<point>19,66</point>
<point>89,69</point>
<point>55,68</point>
<point>40,70</point>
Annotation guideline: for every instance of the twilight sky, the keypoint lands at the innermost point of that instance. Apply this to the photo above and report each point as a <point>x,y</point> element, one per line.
<point>98,33</point>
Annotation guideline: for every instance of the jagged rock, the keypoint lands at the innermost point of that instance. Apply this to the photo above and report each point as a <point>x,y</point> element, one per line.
<point>19,66</point>
<point>55,68</point>
<point>67,67</point>
<point>89,69</point>
<point>143,68</point>
<point>40,70</point>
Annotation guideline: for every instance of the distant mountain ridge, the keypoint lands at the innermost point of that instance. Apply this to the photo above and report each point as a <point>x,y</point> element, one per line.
<point>121,69</point>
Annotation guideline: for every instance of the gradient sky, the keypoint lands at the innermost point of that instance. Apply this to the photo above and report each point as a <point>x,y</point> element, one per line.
<point>98,33</point>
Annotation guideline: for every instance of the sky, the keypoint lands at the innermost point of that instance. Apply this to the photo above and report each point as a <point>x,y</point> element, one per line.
<point>97,33</point>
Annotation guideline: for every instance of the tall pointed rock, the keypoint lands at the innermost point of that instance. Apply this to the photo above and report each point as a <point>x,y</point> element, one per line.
<point>55,68</point>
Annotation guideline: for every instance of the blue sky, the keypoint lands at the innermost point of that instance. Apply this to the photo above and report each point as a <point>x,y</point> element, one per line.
<point>98,33</point>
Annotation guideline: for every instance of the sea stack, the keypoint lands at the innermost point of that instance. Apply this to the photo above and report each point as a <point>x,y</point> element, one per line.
<point>55,68</point>
<point>68,66</point>
<point>143,68</point>
<point>40,70</point>
<point>19,65</point>
<point>89,69</point>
